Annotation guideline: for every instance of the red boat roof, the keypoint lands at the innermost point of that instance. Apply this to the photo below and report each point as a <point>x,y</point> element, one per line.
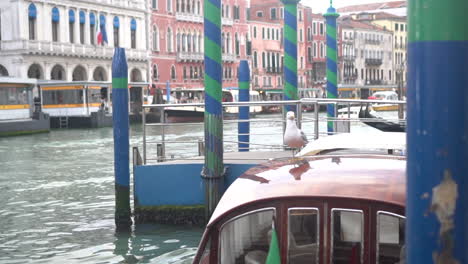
<point>378,178</point>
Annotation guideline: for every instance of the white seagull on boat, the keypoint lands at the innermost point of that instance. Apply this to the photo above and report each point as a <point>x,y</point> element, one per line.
<point>293,136</point>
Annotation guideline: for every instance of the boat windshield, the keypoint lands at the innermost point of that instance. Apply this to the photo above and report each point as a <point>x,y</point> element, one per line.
<point>245,239</point>
<point>303,236</point>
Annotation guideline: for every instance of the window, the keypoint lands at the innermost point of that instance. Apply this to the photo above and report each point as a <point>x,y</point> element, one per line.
<point>184,73</point>
<point>302,62</point>
<point>227,11</point>
<point>396,27</point>
<point>155,72</point>
<point>55,24</point>
<point>154,4</point>
<point>314,28</point>
<point>116,31</point>
<point>309,34</point>
<point>268,33</point>
<point>71,26</point>
<point>92,28</point>
<point>236,14</point>
<point>237,43</point>
<point>156,39</point>
<point>263,33</point>
<point>390,237</point>
<point>321,50</point>
<point>277,35</point>
<point>247,13</point>
<point>173,72</point>
<point>347,235</point>
<point>259,14</point>
<point>300,35</point>
<point>255,60</point>
<point>82,26</point>
<point>263,60</point>
<point>32,14</point>
<point>300,15</point>
<point>273,13</point>
<point>315,50</point>
<point>133,27</point>
<point>402,27</point>
<point>390,75</point>
<point>309,54</point>
<point>169,5</point>
<point>169,40</point>
<point>255,32</point>
<point>321,28</point>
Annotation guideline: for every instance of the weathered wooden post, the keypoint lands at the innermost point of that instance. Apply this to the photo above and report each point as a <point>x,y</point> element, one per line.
<point>121,139</point>
<point>213,170</point>
<point>244,116</point>
<point>437,184</point>
<point>332,59</point>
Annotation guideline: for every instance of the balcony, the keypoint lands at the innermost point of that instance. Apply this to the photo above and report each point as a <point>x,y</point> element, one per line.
<point>229,57</point>
<point>227,21</point>
<point>348,58</point>
<point>187,17</point>
<point>373,62</point>
<point>50,48</point>
<point>372,41</point>
<point>273,70</point>
<point>189,56</point>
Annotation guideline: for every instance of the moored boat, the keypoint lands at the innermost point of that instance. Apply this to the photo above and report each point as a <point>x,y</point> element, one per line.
<point>385,96</point>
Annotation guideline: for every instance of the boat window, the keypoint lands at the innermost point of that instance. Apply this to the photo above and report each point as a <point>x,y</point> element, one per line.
<point>246,238</point>
<point>347,236</point>
<point>205,257</point>
<point>13,95</point>
<point>54,97</point>
<point>94,96</point>
<point>303,235</point>
<point>390,237</point>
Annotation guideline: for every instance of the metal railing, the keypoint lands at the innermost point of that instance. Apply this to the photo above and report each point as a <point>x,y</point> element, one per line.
<point>163,125</point>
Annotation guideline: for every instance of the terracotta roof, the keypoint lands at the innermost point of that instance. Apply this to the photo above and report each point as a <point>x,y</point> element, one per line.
<point>375,178</point>
<point>373,6</point>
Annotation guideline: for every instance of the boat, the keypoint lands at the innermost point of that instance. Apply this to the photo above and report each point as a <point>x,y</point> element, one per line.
<point>379,123</point>
<point>351,112</point>
<point>196,113</point>
<point>20,111</point>
<point>385,96</point>
<point>333,208</point>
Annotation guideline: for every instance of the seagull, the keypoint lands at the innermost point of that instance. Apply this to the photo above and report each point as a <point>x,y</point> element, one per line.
<point>293,136</point>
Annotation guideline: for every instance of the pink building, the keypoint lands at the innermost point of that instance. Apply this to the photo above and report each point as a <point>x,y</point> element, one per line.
<point>177,44</point>
<point>266,28</point>
<point>318,52</point>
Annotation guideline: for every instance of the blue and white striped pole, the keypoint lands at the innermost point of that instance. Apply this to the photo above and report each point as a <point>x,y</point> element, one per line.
<point>244,96</point>
<point>437,135</point>
<point>121,139</point>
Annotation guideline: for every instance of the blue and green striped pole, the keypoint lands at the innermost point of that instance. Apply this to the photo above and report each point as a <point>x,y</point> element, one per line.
<point>121,139</point>
<point>437,134</point>
<point>244,96</point>
<point>332,58</point>
<point>290,52</point>
<point>214,169</point>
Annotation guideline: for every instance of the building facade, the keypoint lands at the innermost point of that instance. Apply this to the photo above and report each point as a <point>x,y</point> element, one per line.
<point>366,53</point>
<point>177,42</point>
<point>72,40</point>
<point>318,52</point>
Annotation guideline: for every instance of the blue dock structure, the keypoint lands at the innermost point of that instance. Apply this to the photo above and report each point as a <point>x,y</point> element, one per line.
<point>244,112</point>
<point>332,59</point>
<point>121,139</point>
<point>437,197</point>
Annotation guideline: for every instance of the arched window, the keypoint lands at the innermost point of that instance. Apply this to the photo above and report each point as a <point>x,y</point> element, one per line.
<point>57,73</point>
<point>184,42</point>
<point>321,49</point>
<point>184,73</point>
<point>32,15</point>
<point>191,72</point>
<point>200,70</point>
<point>102,37</point>
<point>228,44</point>
<point>3,71</point>
<point>55,24</point>
<point>173,72</point>
<point>194,42</point>
<point>71,25</point>
<point>79,74</point>
<point>35,72</point>
<point>82,26</point>
<point>263,60</point>
<point>155,38</point>
<point>99,74</point>
<point>135,75</point>
<point>116,31</point>
<point>155,72</point>
<point>178,42</point>
<point>92,28</point>
<point>315,50</point>
<point>169,40</point>
<point>198,8</point>
<point>133,27</point>
<point>223,44</point>
<point>189,42</point>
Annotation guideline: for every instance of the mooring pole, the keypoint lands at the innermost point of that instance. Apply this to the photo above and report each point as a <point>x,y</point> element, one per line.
<point>437,169</point>
<point>244,96</point>
<point>290,52</point>
<point>121,139</point>
<point>332,58</point>
<point>213,171</point>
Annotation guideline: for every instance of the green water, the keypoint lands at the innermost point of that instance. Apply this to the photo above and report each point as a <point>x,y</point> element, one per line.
<point>57,196</point>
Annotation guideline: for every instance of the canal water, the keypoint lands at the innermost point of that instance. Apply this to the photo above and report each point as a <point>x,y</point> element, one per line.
<point>57,195</point>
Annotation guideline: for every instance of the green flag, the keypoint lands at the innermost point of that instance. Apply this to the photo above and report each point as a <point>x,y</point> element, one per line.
<point>274,252</point>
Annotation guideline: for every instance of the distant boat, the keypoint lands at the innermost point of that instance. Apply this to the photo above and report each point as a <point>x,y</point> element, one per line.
<point>384,96</point>
<point>383,125</point>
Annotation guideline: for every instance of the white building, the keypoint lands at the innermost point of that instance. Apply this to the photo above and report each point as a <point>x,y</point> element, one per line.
<point>367,53</point>
<point>58,39</point>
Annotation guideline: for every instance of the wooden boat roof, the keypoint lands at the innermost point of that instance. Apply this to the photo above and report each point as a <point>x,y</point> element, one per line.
<point>376,178</point>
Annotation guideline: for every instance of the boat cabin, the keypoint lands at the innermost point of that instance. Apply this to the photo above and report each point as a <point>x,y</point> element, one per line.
<point>16,98</point>
<point>324,209</point>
